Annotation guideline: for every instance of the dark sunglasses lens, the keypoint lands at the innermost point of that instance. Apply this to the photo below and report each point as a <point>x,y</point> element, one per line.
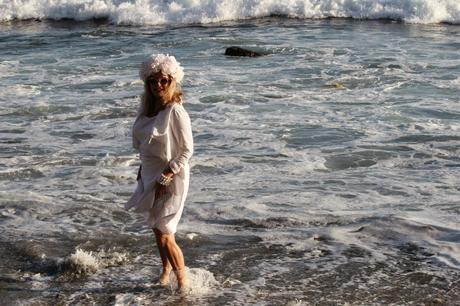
<point>161,81</point>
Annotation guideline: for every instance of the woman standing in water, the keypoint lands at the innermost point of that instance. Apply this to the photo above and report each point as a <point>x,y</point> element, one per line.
<point>163,136</point>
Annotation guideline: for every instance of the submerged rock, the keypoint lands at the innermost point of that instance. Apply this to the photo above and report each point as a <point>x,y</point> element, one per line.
<point>237,51</point>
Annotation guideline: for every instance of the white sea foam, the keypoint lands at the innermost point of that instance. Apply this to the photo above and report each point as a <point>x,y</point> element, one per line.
<point>439,243</point>
<point>201,281</point>
<point>130,299</point>
<point>191,236</point>
<point>8,68</point>
<point>295,302</point>
<point>209,11</point>
<point>20,91</point>
<point>83,262</point>
<point>37,281</point>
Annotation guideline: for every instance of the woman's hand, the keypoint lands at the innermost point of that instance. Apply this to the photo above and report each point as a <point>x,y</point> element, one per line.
<point>161,189</point>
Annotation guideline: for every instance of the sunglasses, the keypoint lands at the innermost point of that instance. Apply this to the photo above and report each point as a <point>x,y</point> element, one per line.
<point>163,81</point>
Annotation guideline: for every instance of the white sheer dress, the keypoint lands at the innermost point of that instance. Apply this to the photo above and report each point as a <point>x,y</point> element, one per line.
<point>162,140</point>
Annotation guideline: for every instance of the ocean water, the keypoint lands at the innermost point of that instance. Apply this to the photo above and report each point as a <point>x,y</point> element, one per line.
<point>326,172</point>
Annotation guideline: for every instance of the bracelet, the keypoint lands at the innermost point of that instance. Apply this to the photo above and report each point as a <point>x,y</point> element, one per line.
<point>164,180</point>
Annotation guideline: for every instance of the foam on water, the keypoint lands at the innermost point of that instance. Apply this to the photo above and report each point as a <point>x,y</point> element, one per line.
<point>209,11</point>
<point>82,262</point>
<point>129,299</point>
<point>434,242</point>
<point>201,281</point>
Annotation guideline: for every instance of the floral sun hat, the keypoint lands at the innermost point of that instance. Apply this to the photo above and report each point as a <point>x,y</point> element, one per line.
<point>167,64</point>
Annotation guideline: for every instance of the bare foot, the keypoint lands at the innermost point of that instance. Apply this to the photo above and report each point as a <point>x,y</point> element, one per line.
<point>164,277</point>
<point>182,280</point>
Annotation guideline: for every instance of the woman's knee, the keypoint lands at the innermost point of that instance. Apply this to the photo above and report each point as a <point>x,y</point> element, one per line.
<point>164,239</point>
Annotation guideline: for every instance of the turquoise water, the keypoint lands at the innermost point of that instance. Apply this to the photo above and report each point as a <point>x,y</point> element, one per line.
<point>326,171</point>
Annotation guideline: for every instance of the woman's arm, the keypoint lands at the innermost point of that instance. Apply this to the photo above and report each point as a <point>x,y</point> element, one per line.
<point>182,129</point>
<point>136,142</point>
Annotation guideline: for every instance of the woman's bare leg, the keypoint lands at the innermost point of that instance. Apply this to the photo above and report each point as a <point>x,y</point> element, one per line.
<point>174,256</point>
<point>164,277</point>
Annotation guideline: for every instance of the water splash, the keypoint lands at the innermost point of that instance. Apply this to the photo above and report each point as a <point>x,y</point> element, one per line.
<point>83,262</point>
<point>201,281</point>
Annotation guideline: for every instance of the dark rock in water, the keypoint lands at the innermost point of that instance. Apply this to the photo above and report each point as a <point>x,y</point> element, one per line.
<point>237,51</point>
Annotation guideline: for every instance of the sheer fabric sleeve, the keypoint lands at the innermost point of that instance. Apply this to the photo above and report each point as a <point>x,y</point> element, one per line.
<point>182,130</point>
<point>136,142</point>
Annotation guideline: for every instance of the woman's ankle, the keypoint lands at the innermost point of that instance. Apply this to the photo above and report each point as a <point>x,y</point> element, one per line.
<point>164,277</point>
<point>167,269</point>
<point>182,280</point>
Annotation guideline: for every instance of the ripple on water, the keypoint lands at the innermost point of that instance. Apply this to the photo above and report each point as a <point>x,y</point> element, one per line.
<point>357,159</point>
<point>315,136</point>
<point>21,174</point>
<point>423,138</point>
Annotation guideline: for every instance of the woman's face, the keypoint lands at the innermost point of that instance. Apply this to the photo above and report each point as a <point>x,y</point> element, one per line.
<point>159,83</point>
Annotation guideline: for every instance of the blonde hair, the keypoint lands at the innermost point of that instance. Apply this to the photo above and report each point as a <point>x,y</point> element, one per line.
<point>151,105</point>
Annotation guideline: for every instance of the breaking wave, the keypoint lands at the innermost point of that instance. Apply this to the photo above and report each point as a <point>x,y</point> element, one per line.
<point>167,12</point>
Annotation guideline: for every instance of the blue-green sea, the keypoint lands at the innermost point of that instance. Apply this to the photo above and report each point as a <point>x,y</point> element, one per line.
<point>325,172</point>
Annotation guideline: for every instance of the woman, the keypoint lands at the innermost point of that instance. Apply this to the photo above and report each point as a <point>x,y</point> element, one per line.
<point>163,136</point>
